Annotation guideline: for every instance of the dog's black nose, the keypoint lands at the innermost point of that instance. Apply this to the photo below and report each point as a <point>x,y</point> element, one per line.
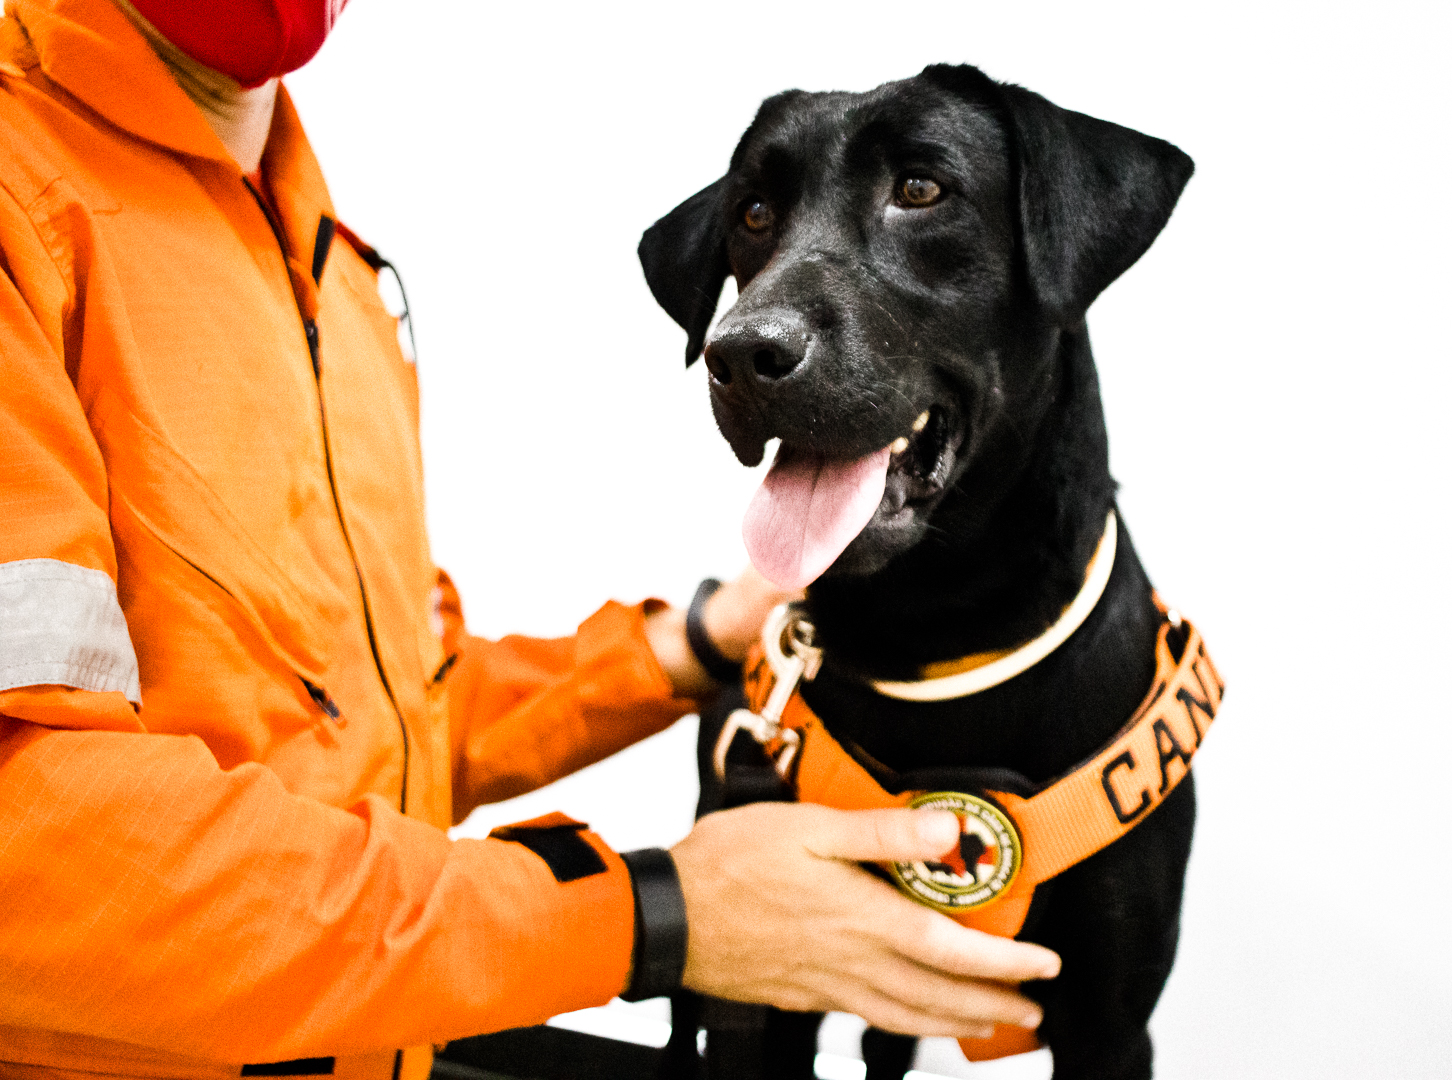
<point>764,344</point>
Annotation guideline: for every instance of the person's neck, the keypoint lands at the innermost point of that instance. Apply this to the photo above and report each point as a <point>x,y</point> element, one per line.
<point>240,117</point>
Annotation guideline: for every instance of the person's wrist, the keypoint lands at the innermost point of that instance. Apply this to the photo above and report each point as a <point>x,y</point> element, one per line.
<point>658,959</point>
<point>722,667</point>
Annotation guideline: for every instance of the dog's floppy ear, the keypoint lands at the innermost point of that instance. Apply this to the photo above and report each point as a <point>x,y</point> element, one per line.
<point>684,258</point>
<point>1092,197</point>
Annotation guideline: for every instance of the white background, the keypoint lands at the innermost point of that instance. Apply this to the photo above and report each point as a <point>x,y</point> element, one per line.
<point>1275,371</point>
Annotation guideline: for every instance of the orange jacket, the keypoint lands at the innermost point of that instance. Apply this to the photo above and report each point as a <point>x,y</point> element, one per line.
<point>229,738</point>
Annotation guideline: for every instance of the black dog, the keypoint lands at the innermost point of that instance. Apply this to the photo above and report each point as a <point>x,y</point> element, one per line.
<point>914,266</point>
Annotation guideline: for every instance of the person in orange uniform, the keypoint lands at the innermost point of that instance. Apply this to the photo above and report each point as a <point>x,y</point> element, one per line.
<point>238,705</point>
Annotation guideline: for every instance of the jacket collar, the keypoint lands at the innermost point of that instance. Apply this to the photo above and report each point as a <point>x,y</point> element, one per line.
<point>299,193</point>
<point>89,48</point>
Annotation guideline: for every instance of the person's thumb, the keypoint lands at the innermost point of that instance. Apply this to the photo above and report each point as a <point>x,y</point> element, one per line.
<point>896,835</point>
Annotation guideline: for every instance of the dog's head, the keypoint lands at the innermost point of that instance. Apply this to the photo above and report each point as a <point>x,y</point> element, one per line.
<point>906,261</point>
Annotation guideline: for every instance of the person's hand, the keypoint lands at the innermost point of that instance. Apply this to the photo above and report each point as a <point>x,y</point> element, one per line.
<point>734,615</point>
<point>732,618</point>
<point>778,913</point>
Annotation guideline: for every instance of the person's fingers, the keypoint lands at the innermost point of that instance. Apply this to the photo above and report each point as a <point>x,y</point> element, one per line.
<point>936,1007</point>
<point>944,945</point>
<point>861,945</point>
<point>895,835</point>
<point>933,942</point>
<point>956,1000</point>
<point>890,1014</point>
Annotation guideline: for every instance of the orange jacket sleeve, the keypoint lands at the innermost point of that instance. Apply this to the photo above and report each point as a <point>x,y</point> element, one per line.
<point>155,899</point>
<point>527,711</point>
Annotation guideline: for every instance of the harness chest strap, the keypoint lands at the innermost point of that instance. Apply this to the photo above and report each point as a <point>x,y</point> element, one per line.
<point>1077,815</point>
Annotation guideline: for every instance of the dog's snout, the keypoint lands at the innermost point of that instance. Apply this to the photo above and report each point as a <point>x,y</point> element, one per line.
<point>765,345</point>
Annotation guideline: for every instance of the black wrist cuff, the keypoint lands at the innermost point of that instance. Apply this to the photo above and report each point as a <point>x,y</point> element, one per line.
<point>716,665</point>
<point>660,925</point>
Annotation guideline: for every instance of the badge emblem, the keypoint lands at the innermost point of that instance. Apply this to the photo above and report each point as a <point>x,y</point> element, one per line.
<point>978,870</point>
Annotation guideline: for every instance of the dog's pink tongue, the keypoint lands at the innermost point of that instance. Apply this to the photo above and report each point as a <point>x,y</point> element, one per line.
<point>807,510</point>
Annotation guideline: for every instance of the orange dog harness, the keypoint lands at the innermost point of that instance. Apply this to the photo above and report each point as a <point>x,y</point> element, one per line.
<point>1009,843</point>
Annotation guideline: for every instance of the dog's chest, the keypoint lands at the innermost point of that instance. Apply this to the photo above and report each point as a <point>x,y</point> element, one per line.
<point>1038,725</point>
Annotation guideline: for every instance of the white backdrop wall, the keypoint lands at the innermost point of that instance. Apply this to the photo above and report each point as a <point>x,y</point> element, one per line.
<point>1275,371</point>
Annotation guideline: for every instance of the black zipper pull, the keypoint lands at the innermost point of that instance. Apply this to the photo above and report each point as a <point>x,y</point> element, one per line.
<point>445,667</point>
<point>323,701</point>
<point>310,329</point>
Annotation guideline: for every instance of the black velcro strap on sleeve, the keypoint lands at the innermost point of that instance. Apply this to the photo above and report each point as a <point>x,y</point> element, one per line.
<point>659,958</point>
<point>300,1067</point>
<point>568,854</point>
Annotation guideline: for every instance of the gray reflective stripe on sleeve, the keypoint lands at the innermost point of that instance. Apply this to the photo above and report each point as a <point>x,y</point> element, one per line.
<point>62,624</point>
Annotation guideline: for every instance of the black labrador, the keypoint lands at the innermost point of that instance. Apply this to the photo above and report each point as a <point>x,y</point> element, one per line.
<point>914,265</point>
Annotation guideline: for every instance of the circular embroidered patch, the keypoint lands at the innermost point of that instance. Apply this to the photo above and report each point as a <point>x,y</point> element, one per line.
<point>984,864</point>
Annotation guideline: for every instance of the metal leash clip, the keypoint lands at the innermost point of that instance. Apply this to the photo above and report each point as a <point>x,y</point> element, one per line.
<point>789,642</point>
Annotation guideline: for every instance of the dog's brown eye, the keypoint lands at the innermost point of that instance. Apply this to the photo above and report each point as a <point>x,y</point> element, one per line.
<point>919,191</point>
<point>758,217</point>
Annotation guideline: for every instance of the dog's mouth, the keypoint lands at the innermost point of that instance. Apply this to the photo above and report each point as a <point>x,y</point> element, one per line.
<point>811,507</point>
<point>920,463</point>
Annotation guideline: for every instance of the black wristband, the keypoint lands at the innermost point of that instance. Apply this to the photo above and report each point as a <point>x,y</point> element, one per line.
<point>716,665</point>
<point>659,956</point>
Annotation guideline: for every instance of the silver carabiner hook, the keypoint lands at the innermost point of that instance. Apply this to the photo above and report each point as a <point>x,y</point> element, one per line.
<point>788,639</point>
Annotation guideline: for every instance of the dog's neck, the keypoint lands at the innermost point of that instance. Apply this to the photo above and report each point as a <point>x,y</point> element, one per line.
<point>977,583</point>
<point>987,581</point>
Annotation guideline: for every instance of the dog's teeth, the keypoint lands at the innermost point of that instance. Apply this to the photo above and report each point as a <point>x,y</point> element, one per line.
<point>899,444</point>
<point>921,422</point>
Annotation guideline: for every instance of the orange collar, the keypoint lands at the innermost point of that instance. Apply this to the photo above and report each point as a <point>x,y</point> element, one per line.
<point>1015,842</point>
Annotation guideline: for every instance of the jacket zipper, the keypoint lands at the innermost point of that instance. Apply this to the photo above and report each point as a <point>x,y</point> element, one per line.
<point>322,700</point>
<point>310,331</point>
